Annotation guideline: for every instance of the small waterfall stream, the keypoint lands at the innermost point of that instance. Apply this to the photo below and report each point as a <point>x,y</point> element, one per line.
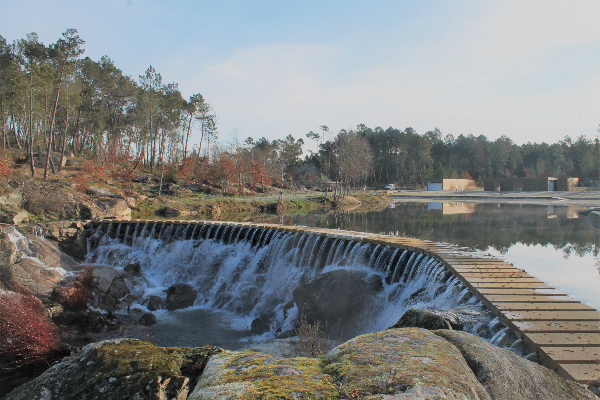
<point>252,271</point>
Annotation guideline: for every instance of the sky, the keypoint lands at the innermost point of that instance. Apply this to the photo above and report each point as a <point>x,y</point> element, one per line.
<point>528,69</point>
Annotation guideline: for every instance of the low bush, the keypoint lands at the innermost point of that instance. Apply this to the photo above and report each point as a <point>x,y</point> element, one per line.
<point>26,335</point>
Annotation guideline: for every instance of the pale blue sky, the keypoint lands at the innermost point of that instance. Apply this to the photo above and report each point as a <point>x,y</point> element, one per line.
<point>529,69</point>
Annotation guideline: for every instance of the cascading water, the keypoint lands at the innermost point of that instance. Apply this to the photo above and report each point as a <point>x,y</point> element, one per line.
<point>250,271</point>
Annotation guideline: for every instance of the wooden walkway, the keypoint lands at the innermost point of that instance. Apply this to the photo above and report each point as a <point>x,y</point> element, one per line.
<point>564,332</point>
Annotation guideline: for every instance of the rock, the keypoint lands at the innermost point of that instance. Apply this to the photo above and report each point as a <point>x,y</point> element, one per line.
<point>34,276</point>
<point>248,375</point>
<point>340,299</point>
<point>293,346</point>
<point>262,323</point>
<point>70,236</point>
<point>396,360</point>
<point>12,216</point>
<point>171,212</point>
<point>507,376</point>
<point>12,200</point>
<point>72,163</point>
<point>116,208</point>
<point>115,370</point>
<point>8,251</point>
<point>147,319</point>
<point>418,318</point>
<point>109,287</point>
<point>154,303</point>
<point>102,192</point>
<point>134,269</point>
<point>76,210</point>
<point>180,295</point>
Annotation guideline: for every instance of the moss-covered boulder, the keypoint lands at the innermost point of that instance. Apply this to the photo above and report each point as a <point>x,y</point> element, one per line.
<point>118,369</point>
<point>251,375</point>
<point>396,361</point>
<point>507,376</point>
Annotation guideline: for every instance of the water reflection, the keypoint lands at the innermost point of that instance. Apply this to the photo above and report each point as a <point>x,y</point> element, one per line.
<point>550,242</point>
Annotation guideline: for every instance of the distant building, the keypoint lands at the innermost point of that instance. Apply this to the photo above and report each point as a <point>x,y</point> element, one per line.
<point>452,184</point>
<point>531,184</point>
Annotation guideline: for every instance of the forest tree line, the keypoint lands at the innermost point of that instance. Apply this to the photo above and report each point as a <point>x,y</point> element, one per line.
<point>52,99</point>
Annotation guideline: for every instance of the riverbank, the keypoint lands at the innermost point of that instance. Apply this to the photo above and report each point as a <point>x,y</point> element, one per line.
<point>584,199</point>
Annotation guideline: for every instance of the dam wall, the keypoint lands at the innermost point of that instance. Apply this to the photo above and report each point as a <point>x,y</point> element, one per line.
<point>564,333</point>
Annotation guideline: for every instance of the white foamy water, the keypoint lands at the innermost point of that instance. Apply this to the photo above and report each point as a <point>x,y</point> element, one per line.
<point>249,272</point>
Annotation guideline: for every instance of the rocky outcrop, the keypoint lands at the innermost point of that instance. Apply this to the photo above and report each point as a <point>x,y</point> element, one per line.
<point>118,369</point>
<point>70,236</point>
<point>42,268</point>
<point>396,360</point>
<point>180,295</point>
<point>12,216</point>
<point>401,364</point>
<point>115,208</point>
<point>506,376</point>
<point>249,375</point>
<point>110,287</point>
<point>339,299</point>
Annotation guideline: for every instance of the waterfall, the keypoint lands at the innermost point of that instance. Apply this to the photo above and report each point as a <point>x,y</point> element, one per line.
<point>250,271</point>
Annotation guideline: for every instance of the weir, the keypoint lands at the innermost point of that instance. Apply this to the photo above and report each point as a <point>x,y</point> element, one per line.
<point>564,333</point>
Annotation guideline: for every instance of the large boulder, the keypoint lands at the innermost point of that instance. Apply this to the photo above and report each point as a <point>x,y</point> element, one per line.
<point>12,215</point>
<point>110,287</point>
<point>119,369</point>
<point>233,375</point>
<point>70,236</point>
<point>507,376</point>
<point>32,275</point>
<point>180,295</point>
<point>116,208</point>
<point>397,360</point>
<point>9,254</point>
<point>340,300</point>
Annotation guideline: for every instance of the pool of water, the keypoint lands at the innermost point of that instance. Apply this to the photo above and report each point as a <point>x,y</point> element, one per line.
<point>556,244</point>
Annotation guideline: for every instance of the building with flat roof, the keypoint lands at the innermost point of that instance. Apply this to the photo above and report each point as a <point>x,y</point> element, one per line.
<point>531,184</point>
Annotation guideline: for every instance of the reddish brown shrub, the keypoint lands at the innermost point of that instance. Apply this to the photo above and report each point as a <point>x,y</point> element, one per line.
<point>5,167</point>
<point>26,335</point>
<point>76,296</point>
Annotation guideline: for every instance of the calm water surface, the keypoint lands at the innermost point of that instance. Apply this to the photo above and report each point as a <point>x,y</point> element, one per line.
<point>555,244</point>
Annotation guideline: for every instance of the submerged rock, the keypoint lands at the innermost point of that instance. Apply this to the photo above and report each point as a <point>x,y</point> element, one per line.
<point>431,320</point>
<point>154,303</point>
<point>180,295</point>
<point>262,323</point>
<point>507,376</point>
<point>147,319</point>
<point>338,299</point>
<point>118,369</point>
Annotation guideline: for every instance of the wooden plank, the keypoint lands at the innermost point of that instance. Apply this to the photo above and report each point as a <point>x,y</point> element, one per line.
<point>519,292</point>
<point>582,373</point>
<point>556,326</point>
<point>503,298</point>
<point>567,355</point>
<point>563,339</point>
<point>496,275</point>
<point>512,286</point>
<point>512,306</point>
<point>528,279</point>
<point>552,315</point>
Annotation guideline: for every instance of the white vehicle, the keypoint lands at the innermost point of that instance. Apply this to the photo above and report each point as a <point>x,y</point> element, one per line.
<point>391,186</point>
